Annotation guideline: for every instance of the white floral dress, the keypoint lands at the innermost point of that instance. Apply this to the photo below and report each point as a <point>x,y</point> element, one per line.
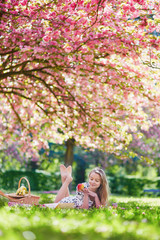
<point>78,198</point>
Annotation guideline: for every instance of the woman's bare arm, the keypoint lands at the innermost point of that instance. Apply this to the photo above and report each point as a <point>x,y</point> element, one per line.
<point>97,202</point>
<point>96,198</point>
<point>85,204</point>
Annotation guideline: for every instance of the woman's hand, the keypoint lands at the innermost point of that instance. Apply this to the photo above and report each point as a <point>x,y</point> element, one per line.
<point>85,190</point>
<point>92,194</point>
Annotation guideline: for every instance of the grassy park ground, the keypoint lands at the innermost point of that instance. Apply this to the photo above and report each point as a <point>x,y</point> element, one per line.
<point>133,219</point>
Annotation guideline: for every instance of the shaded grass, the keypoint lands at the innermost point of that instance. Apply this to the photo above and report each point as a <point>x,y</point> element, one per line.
<point>133,219</point>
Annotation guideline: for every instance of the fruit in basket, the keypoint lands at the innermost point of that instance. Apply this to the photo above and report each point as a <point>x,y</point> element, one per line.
<point>21,191</point>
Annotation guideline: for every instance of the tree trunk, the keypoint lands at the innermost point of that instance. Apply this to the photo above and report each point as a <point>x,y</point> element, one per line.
<point>69,152</point>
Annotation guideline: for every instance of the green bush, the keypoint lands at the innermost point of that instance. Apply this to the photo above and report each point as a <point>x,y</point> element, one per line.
<point>47,181</point>
<point>158,182</point>
<point>131,185</point>
<point>39,180</point>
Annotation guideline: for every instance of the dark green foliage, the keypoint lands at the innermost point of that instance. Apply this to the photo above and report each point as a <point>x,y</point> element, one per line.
<point>158,182</point>
<point>130,185</point>
<point>79,172</point>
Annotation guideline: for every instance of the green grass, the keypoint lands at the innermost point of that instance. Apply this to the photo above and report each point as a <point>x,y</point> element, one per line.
<point>133,219</point>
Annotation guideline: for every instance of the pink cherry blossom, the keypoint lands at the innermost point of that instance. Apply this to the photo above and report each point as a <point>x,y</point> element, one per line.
<point>79,67</point>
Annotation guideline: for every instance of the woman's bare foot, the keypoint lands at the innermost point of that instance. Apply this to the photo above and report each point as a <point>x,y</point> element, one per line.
<point>69,179</point>
<point>64,173</point>
<point>69,171</point>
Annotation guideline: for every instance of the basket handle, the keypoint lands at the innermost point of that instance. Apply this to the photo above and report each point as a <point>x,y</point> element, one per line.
<point>27,183</point>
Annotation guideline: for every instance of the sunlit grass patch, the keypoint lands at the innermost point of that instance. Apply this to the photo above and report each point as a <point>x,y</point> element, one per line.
<point>133,219</point>
<point>143,200</point>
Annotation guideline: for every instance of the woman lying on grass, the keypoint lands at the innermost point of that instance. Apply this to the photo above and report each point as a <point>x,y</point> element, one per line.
<point>92,194</point>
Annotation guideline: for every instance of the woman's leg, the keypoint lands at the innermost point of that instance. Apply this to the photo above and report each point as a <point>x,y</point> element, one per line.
<point>62,191</point>
<point>64,173</point>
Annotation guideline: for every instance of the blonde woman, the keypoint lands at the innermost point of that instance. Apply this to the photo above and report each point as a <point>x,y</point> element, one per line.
<point>93,193</point>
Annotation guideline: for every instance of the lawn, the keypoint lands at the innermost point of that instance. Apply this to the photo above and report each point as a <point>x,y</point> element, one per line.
<point>133,219</point>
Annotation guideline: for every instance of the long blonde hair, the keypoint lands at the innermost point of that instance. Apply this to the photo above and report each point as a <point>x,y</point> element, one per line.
<point>103,190</point>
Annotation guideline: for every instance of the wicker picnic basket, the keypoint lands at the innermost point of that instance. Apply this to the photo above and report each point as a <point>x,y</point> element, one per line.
<point>22,199</point>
